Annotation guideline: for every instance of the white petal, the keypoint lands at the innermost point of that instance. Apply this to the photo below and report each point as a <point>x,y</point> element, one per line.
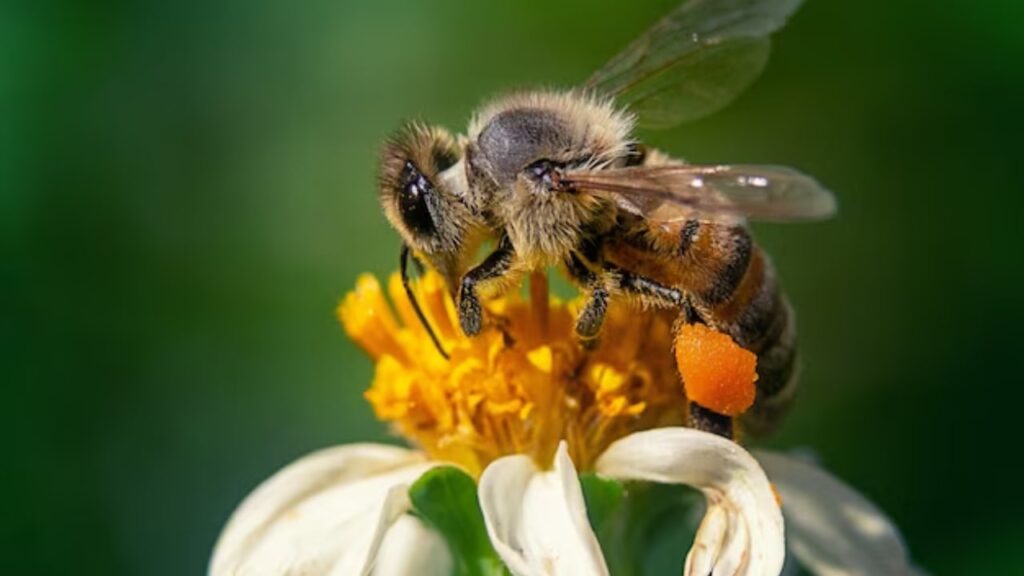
<point>737,491</point>
<point>736,553</point>
<point>708,542</point>
<point>410,547</point>
<point>324,514</point>
<point>833,530</point>
<point>537,520</point>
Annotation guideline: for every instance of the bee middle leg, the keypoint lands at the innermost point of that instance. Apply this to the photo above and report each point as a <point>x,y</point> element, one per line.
<point>494,266</point>
<point>600,284</point>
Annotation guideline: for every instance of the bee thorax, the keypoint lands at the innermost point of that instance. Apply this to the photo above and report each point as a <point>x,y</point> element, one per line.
<point>549,226</point>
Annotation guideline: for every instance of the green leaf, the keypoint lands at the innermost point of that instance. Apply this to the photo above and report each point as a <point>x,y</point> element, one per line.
<point>603,496</point>
<point>643,528</point>
<point>445,498</point>
<point>609,516</point>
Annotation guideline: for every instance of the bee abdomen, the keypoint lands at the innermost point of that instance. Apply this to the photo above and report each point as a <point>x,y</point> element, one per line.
<point>777,371</point>
<point>686,236</point>
<point>732,283</point>
<point>737,246</point>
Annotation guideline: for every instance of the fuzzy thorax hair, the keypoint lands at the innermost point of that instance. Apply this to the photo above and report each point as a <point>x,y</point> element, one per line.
<point>513,140</point>
<point>593,126</point>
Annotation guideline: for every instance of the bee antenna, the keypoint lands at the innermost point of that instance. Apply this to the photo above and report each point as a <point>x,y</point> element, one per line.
<point>404,268</point>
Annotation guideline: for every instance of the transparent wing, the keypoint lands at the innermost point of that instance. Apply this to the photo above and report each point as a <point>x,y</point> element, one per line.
<point>694,61</point>
<point>666,193</point>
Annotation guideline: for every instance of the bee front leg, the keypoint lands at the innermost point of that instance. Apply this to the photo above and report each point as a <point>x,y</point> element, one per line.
<point>494,266</point>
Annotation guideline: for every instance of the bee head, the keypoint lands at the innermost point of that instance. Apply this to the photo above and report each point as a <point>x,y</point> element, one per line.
<point>421,193</point>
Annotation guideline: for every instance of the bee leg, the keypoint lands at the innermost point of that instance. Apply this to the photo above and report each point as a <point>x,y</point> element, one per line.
<point>699,417</point>
<point>611,279</point>
<point>690,314</point>
<point>591,318</point>
<point>661,294</point>
<point>588,324</point>
<point>495,265</point>
<point>706,420</point>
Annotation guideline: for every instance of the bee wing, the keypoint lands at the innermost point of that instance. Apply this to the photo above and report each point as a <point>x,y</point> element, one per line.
<point>665,193</point>
<point>694,61</point>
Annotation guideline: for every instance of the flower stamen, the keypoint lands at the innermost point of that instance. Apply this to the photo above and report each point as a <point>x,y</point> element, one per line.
<point>523,384</point>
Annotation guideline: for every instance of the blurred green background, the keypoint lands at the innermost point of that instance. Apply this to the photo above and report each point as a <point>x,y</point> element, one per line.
<point>188,188</point>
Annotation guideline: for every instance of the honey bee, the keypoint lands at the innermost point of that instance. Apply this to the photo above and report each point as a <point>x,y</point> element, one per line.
<point>558,179</point>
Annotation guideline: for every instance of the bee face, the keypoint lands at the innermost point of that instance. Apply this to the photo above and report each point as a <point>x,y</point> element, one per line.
<point>422,196</point>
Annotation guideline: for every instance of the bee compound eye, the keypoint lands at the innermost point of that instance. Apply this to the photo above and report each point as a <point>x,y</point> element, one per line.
<point>413,201</point>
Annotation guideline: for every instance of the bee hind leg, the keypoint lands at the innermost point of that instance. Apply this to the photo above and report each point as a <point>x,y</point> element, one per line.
<point>699,417</point>
<point>660,294</point>
<point>707,420</point>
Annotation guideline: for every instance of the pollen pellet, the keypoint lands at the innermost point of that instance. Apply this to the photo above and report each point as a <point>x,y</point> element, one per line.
<point>717,373</point>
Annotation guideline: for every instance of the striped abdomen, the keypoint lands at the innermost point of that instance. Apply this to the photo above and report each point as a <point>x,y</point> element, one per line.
<point>733,287</point>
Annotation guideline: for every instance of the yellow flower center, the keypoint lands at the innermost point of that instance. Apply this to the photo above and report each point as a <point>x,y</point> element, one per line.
<point>523,384</point>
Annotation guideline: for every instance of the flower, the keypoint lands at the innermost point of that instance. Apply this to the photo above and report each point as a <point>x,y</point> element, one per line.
<point>520,387</point>
<point>524,408</point>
